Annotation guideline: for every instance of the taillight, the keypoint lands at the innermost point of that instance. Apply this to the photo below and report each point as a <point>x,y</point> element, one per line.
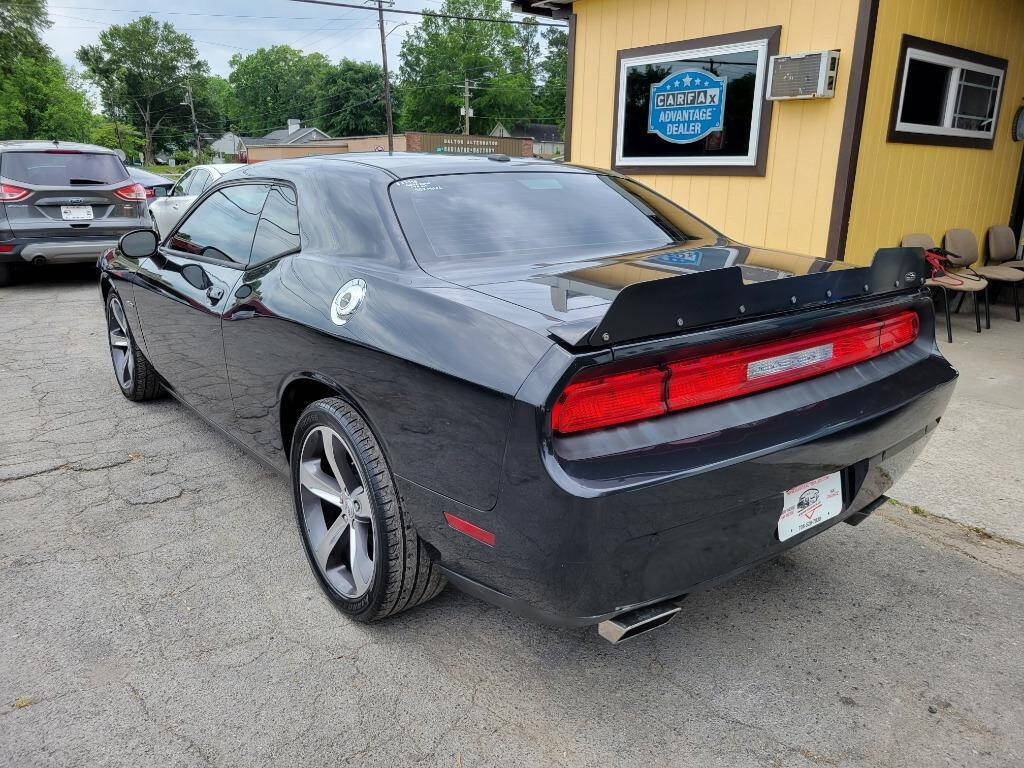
<point>150,192</point>
<point>594,401</point>
<point>62,152</point>
<point>9,193</point>
<point>6,248</point>
<point>131,192</point>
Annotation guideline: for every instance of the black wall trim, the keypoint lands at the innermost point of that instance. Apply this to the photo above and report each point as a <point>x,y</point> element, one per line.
<point>849,142</point>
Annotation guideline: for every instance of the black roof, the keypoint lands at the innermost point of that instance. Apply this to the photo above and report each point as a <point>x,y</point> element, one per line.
<point>405,165</point>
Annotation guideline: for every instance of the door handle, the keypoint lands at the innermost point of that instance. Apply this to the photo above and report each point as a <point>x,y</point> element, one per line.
<point>214,293</point>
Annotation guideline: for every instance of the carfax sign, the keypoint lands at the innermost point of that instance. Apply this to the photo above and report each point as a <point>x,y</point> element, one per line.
<point>687,106</point>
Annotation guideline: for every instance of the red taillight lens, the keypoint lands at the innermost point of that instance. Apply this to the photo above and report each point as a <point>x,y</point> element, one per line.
<point>601,401</point>
<point>131,192</point>
<point>6,248</point>
<point>62,152</point>
<point>150,192</point>
<point>606,400</point>
<point>9,193</point>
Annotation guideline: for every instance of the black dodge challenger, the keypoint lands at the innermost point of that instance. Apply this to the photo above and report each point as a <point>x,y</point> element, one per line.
<point>545,384</point>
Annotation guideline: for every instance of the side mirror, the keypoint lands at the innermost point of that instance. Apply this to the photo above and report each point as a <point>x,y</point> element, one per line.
<point>159,191</point>
<point>138,244</point>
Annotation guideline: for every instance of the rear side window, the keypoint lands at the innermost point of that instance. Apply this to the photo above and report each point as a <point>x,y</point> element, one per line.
<point>223,225</point>
<point>62,168</point>
<point>200,181</point>
<point>278,230</point>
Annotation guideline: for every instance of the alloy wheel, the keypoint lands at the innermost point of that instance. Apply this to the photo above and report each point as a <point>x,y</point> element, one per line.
<point>121,352</point>
<point>336,512</point>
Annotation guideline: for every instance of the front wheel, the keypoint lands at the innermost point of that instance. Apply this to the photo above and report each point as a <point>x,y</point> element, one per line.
<point>135,376</point>
<point>365,554</point>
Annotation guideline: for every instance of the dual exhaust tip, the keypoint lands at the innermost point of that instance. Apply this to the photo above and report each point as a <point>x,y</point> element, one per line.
<point>633,623</point>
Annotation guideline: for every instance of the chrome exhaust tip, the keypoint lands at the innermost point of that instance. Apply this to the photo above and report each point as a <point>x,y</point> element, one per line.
<point>626,625</point>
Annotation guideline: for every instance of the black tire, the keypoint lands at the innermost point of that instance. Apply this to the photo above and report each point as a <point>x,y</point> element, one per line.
<point>6,274</point>
<point>404,572</point>
<point>143,383</point>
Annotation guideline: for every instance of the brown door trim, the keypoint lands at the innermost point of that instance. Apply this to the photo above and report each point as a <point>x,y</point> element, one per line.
<point>569,79</point>
<point>849,143</point>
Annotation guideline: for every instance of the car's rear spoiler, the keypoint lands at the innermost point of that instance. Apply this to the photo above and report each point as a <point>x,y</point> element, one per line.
<point>717,296</point>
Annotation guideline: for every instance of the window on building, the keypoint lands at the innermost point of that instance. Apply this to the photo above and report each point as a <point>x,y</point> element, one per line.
<point>946,95</point>
<point>692,107</point>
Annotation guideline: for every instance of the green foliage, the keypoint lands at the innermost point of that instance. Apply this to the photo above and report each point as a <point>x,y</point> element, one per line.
<point>440,53</point>
<point>215,104</point>
<point>273,85</point>
<point>21,23</point>
<point>142,70</point>
<point>351,99</point>
<point>550,101</point>
<point>513,81</point>
<point>105,134</point>
<point>40,99</point>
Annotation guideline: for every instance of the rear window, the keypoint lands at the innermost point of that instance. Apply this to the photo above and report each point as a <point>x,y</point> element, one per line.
<point>526,217</point>
<point>58,169</point>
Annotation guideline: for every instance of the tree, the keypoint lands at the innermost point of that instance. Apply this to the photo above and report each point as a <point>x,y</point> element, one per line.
<point>41,99</point>
<point>118,136</point>
<point>439,54</point>
<point>550,103</point>
<point>143,70</point>
<point>273,85</point>
<point>351,101</point>
<point>21,24</point>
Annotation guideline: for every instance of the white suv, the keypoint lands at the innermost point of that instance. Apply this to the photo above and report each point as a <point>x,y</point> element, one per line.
<point>165,211</point>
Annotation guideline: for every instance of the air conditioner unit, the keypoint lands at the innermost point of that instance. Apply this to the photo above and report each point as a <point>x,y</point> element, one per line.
<point>803,75</point>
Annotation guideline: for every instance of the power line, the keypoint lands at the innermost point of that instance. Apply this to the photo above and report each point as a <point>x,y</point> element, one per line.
<point>434,14</point>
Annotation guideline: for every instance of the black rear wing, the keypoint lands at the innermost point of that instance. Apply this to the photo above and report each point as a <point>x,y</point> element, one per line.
<point>717,296</point>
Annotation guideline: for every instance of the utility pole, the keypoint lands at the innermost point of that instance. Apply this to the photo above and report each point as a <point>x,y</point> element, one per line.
<point>465,107</point>
<point>117,132</point>
<point>387,81</point>
<point>195,125</point>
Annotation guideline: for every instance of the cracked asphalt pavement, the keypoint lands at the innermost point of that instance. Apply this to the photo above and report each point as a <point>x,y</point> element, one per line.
<point>157,610</point>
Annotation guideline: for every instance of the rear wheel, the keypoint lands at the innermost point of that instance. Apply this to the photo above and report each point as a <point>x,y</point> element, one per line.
<point>135,376</point>
<point>360,545</point>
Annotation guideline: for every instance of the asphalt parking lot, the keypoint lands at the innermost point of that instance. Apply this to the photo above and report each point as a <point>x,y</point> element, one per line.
<point>157,609</point>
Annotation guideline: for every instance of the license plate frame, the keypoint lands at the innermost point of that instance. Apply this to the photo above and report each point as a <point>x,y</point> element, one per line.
<point>76,212</point>
<point>810,504</point>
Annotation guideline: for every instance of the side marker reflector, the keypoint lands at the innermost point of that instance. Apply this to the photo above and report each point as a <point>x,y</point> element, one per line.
<point>473,531</point>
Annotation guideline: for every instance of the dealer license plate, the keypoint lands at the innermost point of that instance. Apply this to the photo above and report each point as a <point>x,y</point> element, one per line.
<point>810,504</point>
<point>75,212</point>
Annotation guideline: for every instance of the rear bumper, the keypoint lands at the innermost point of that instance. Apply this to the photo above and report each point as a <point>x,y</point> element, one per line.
<point>68,251</point>
<point>576,558</point>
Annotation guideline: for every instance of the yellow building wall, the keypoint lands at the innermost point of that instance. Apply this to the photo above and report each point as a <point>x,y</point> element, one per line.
<point>788,208</point>
<point>903,188</point>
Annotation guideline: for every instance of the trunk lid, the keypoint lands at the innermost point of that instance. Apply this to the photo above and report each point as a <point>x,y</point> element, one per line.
<point>71,194</point>
<point>654,293</point>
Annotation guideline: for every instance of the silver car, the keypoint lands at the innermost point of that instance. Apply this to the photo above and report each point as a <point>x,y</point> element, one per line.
<point>165,211</point>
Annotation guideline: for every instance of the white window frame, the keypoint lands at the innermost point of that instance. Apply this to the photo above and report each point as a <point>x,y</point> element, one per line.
<point>750,159</point>
<point>957,66</point>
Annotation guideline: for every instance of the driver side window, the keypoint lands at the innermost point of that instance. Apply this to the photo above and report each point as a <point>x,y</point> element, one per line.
<point>223,225</point>
<point>181,187</point>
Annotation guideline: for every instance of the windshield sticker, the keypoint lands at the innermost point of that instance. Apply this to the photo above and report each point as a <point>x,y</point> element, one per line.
<point>541,183</point>
<point>420,185</point>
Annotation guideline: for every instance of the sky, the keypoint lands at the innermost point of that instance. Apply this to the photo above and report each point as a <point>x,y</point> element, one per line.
<point>222,28</point>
